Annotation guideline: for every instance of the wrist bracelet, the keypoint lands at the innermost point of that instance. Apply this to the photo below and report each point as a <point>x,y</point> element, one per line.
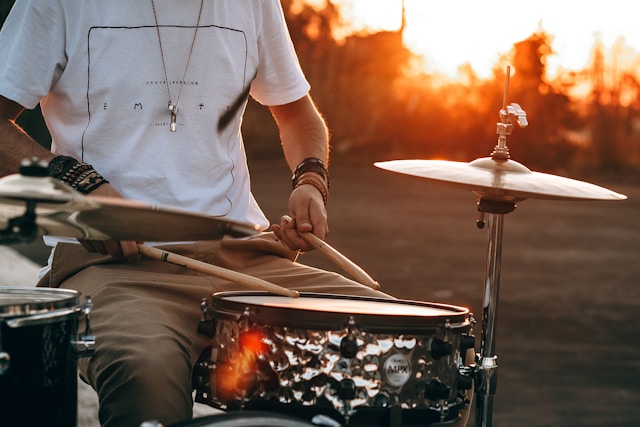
<point>80,176</point>
<point>310,164</point>
<point>59,166</point>
<point>317,182</point>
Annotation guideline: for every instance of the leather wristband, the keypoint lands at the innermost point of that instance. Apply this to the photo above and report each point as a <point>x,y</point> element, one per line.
<point>310,164</point>
<point>60,165</point>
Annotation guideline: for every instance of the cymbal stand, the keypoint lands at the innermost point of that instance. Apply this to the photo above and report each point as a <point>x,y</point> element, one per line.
<point>486,377</point>
<point>23,229</point>
<point>486,374</point>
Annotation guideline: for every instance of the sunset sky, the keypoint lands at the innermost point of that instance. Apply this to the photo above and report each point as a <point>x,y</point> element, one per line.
<point>451,33</point>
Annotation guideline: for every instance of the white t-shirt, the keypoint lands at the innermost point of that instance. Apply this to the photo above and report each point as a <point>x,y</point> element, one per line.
<point>96,69</point>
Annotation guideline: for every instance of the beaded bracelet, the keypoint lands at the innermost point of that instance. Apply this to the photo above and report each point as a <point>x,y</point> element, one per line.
<point>80,176</point>
<point>89,182</point>
<point>316,181</point>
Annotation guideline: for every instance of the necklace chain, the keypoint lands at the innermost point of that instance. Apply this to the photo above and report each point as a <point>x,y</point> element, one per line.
<point>173,108</point>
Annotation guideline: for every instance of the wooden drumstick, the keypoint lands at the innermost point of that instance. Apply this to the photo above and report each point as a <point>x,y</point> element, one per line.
<point>342,261</point>
<point>214,270</point>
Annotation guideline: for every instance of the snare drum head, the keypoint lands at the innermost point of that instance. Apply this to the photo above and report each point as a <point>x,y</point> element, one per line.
<point>17,301</point>
<point>323,310</point>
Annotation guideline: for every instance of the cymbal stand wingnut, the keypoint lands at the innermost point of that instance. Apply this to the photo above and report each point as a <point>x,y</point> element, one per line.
<point>508,115</point>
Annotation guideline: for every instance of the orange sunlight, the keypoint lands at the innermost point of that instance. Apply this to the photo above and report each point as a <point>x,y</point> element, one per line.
<point>450,34</point>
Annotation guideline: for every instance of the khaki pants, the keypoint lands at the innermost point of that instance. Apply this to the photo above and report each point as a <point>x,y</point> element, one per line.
<point>146,313</point>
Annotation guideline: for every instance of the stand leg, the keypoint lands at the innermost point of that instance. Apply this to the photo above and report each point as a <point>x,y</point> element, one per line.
<point>487,373</point>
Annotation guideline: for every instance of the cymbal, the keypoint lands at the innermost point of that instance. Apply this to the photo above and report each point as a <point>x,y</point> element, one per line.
<point>61,211</point>
<point>501,180</point>
<point>45,191</point>
<point>124,219</point>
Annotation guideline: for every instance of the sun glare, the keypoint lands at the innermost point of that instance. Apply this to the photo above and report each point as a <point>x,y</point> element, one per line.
<point>449,35</point>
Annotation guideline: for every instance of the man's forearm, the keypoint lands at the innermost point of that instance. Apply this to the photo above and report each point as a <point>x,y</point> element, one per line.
<point>303,132</point>
<point>15,144</point>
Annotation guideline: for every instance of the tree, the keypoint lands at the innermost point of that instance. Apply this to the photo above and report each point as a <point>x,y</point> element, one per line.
<point>544,144</point>
<point>614,94</point>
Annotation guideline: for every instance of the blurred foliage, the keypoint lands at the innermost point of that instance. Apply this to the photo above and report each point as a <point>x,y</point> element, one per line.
<point>379,108</point>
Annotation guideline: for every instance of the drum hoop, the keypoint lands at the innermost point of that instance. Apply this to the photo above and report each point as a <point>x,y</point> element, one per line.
<point>225,309</point>
<point>245,418</point>
<point>57,299</point>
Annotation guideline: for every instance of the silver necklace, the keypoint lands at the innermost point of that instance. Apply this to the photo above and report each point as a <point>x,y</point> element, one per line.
<point>173,108</point>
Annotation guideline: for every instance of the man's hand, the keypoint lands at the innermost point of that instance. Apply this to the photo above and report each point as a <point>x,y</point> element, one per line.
<point>307,214</point>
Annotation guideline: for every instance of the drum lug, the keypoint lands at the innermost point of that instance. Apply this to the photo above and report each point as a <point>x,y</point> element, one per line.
<point>382,400</point>
<point>85,344</point>
<point>349,347</point>
<point>467,342</point>
<point>349,344</point>
<point>207,325</point>
<point>347,392</point>
<point>437,390</point>
<point>201,376</point>
<point>440,348</point>
<point>465,378</point>
<point>347,389</point>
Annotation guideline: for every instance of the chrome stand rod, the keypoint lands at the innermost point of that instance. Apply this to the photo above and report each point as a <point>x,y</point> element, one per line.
<point>487,368</point>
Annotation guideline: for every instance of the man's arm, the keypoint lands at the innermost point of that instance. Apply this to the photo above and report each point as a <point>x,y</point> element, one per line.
<point>303,134</point>
<point>15,144</point>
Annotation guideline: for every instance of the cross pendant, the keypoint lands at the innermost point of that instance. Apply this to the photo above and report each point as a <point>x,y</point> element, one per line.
<point>174,114</point>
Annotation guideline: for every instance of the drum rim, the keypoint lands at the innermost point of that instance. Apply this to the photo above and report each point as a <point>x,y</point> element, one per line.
<point>247,418</point>
<point>224,308</point>
<point>57,299</point>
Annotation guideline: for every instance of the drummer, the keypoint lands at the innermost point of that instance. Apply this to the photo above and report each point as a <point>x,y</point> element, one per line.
<point>133,94</point>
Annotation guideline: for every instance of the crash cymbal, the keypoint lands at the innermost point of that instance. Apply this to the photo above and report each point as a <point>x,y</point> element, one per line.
<point>501,180</point>
<point>61,211</point>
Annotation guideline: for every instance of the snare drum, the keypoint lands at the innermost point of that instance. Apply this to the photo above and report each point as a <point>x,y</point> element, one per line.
<point>359,360</point>
<point>38,360</point>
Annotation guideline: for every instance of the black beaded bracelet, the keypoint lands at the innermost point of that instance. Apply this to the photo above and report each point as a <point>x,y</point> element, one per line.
<point>80,176</point>
<point>310,164</point>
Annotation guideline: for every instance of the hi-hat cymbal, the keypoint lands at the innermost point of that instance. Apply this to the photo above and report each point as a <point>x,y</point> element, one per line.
<point>63,212</point>
<point>501,180</point>
<point>44,190</point>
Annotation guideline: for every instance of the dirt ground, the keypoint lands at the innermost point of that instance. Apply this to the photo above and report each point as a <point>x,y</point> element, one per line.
<point>568,337</point>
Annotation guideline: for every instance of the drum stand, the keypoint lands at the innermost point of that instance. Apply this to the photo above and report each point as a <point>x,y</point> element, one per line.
<point>486,377</point>
<point>499,183</point>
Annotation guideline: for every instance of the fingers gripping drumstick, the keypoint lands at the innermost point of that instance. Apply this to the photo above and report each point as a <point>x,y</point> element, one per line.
<point>214,270</point>
<point>342,261</point>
